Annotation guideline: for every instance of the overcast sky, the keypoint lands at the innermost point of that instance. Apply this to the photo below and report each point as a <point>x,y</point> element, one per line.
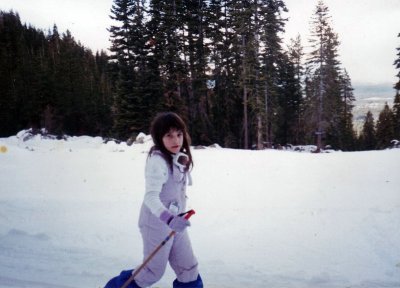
<point>367,29</point>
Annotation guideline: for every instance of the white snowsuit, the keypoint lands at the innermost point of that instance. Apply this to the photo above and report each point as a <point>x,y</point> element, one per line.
<point>163,187</point>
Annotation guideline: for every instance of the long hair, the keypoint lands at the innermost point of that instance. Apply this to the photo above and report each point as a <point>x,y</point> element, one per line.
<point>160,126</point>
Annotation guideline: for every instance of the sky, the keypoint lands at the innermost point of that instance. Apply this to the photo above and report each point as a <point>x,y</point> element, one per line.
<point>367,29</point>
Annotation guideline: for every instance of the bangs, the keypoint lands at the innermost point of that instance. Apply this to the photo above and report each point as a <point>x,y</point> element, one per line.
<point>169,123</point>
<point>164,123</point>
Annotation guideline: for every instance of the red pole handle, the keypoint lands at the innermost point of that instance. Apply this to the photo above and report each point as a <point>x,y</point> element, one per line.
<point>189,214</point>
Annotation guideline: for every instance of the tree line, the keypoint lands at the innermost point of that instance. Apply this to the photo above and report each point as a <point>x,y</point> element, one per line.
<point>378,134</point>
<point>49,80</point>
<point>261,93</point>
<point>222,65</point>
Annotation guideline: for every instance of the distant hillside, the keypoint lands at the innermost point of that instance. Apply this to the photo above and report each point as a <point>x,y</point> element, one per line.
<point>372,98</point>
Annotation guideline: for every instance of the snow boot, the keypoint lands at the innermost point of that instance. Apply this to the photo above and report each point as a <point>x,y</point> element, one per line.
<point>120,280</point>
<point>198,283</point>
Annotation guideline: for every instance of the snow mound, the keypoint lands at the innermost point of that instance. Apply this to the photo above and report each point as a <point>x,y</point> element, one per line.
<point>40,140</point>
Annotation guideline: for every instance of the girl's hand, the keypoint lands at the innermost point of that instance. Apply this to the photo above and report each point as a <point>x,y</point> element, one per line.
<point>178,223</point>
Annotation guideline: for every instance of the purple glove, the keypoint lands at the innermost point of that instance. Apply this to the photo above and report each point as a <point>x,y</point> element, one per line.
<point>176,223</point>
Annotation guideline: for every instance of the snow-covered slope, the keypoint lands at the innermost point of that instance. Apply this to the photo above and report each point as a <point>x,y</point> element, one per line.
<point>69,209</point>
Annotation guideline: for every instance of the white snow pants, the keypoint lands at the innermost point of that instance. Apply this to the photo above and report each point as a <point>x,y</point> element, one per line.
<point>177,251</point>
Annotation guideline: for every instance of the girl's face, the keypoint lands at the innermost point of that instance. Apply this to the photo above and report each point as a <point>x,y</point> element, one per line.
<point>173,140</point>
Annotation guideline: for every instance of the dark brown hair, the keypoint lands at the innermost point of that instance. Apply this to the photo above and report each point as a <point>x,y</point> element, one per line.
<point>161,125</point>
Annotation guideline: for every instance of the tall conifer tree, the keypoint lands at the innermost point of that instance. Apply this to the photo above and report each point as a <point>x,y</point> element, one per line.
<point>271,26</point>
<point>224,64</point>
<point>127,38</point>
<point>368,133</point>
<point>396,103</point>
<point>324,82</point>
<point>296,54</point>
<point>346,135</point>
<point>196,54</point>
<point>397,65</point>
<point>385,128</point>
<point>396,115</point>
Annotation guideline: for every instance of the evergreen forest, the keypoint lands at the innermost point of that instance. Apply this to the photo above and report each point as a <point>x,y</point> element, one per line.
<point>221,65</point>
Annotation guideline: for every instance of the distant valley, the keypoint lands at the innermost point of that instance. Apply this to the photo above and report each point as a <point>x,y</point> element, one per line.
<point>371,98</point>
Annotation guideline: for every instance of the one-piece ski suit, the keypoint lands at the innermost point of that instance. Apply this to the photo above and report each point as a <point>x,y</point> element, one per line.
<point>165,187</point>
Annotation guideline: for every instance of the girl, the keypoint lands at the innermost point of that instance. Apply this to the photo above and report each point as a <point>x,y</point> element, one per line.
<point>166,176</point>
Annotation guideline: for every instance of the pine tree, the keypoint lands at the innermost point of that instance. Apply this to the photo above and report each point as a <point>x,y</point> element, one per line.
<point>325,101</point>
<point>246,24</point>
<point>272,24</point>
<point>166,57</point>
<point>396,104</point>
<point>196,53</point>
<point>10,57</point>
<point>316,67</point>
<point>51,120</point>
<point>296,55</point>
<point>347,135</point>
<point>225,70</point>
<point>291,95</point>
<point>368,133</point>
<point>396,116</point>
<point>385,128</point>
<point>70,84</point>
<point>127,48</point>
<point>397,65</point>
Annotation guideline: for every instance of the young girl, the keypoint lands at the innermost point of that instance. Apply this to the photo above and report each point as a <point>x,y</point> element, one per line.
<point>166,177</point>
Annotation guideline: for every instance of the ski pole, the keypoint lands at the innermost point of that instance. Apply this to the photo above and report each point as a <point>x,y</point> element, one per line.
<point>147,260</point>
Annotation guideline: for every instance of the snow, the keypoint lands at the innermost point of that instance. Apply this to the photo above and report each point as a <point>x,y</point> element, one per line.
<point>69,211</point>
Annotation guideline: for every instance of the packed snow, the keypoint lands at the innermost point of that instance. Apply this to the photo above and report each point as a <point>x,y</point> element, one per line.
<point>69,210</point>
